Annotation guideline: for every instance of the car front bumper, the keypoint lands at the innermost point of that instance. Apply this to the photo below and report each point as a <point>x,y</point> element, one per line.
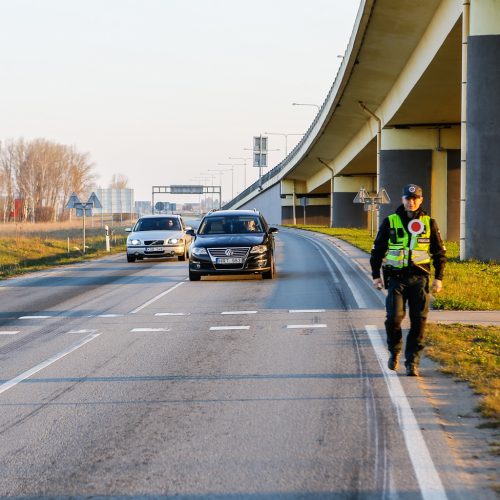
<point>157,251</point>
<point>253,264</point>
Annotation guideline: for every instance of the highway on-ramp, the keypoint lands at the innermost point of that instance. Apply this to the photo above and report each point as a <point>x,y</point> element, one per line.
<point>127,380</point>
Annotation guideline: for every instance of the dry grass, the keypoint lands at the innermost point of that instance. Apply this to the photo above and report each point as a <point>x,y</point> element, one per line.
<point>470,353</point>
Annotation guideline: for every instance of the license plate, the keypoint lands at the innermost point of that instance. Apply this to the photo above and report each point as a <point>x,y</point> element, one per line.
<point>229,260</point>
<point>154,249</point>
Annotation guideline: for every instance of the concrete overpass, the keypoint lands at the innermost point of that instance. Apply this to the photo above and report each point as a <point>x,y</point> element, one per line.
<point>416,99</point>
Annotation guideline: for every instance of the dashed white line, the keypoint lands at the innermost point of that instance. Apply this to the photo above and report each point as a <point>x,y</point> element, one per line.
<point>82,331</point>
<point>109,315</point>
<point>425,471</point>
<point>172,314</point>
<point>239,312</point>
<point>154,299</point>
<point>315,325</point>
<point>7,332</point>
<point>150,330</point>
<point>306,311</point>
<point>213,328</point>
<point>35,317</point>
<point>23,376</point>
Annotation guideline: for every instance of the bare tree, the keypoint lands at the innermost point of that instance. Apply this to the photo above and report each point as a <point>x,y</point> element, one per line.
<point>119,181</point>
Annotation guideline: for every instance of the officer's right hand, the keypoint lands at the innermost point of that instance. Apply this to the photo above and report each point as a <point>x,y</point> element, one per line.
<point>377,283</point>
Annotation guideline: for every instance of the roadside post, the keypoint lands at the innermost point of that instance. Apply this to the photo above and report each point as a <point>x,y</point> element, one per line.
<point>106,228</point>
<point>304,201</point>
<point>372,202</point>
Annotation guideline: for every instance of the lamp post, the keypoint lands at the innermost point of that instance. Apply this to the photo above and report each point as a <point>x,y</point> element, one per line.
<point>245,170</point>
<point>306,104</point>
<point>219,171</point>
<point>286,139</point>
<point>232,165</point>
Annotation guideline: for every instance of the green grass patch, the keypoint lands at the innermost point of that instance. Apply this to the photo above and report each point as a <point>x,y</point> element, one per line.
<point>22,254</point>
<point>468,285</point>
<point>470,353</point>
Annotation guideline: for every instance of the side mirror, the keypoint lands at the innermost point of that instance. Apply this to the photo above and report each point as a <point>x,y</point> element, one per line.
<point>190,231</point>
<point>273,230</point>
<point>188,228</point>
<point>128,229</point>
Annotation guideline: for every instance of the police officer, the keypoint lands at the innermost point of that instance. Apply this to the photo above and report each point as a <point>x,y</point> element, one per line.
<point>407,239</point>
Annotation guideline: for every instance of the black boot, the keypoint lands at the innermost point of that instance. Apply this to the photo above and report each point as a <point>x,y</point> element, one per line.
<point>393,362</point>
<point>412,369</point>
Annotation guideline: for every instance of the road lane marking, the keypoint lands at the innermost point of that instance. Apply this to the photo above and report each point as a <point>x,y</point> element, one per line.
<point>316,325</point>
<point>213,328</point>
<point>154,299</point>
<point>306,310</point>
<point>150,330</point>
<point>9,332</point>
<point>239,312</point>
<point>109,315</point>
<point>425,470</point>
<point>35,317</point>
<point>172,314</point>
<point>82,331</point>
<point>23,376</point>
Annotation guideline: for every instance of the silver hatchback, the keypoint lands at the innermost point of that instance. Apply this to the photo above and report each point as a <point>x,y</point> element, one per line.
<point>156,236</point>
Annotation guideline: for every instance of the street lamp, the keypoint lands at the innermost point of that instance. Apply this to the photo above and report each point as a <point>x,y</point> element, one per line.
<point>286,139</point>
<point>232,165</point>
<point>245,165</point>
<point>304,104</point>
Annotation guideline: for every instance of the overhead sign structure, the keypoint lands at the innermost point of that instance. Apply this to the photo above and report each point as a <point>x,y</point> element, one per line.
<point>186,189</point>
<point>182,189</point>
<point>260,151</point>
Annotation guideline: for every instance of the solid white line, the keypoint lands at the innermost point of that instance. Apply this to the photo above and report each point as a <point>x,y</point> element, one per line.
<point>239,312</point>
<point>150,330</point>
<point>229,327</point>
<point>172,314</point>
<point>316,325</point>
<point>428,479</point>
<point>306,311</point>
<point>34,317</point>
<point>11,383</point>
<point>154,299</point>
<point>7,332</point>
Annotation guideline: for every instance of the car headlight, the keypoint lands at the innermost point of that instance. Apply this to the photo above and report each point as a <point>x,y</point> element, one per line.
<point>174,241</point>
<point>199,251</point>
<point>134,242</point>
<point>259,249</point>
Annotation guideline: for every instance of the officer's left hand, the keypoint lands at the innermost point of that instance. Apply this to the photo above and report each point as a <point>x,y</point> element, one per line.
<point>437,286</point>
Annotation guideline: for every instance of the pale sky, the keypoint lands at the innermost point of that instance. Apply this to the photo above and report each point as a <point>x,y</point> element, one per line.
<point>164,90</point>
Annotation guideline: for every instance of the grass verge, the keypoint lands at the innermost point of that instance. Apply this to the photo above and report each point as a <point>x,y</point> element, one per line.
<point>468,285</point>
<point>470,353</point>
<point>22,254</point>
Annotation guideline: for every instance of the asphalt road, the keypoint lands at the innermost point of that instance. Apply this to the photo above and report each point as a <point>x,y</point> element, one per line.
<point>127,380</point>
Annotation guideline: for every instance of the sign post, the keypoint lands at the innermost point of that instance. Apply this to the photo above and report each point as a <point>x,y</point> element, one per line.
<point>372,202</point>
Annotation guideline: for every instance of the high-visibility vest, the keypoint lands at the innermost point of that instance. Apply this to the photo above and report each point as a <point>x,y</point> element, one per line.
<point>408,247</point>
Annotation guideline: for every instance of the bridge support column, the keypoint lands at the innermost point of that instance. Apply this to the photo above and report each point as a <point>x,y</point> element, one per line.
<point>345,212</point>
<point>426,156</point>
<point>482,104</point>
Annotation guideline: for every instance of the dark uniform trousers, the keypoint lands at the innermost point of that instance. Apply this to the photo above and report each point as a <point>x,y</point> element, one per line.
<point>414,291</point>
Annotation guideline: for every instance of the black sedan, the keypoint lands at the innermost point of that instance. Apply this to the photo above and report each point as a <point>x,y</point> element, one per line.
<point>232,242</point>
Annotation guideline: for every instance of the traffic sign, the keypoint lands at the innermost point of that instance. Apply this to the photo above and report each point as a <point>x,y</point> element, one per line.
<point>94,200</point>
<point>159,205</point>
<point>73,200</point>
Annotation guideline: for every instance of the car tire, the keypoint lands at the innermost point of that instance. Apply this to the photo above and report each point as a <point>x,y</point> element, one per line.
<point>269,275</point>
<point>130,258</point>
<point>194,276</point>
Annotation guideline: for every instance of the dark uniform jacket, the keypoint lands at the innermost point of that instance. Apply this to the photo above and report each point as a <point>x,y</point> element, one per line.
<point>381,244</point>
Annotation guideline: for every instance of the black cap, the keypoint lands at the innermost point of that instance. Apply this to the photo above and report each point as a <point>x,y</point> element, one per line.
<point>412,191</point>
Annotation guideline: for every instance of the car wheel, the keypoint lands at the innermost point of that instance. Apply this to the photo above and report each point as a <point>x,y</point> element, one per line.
<point>269,275</point>
<point>194,276</point>
<point>183,256</point>
<point>130,258</point>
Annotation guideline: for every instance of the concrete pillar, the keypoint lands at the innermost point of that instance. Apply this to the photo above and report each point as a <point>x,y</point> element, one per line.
<point>421,155</point>
<point>482,186</point>
<point>345,212</point>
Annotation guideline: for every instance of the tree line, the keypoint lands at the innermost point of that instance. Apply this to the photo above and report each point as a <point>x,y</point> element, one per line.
<point>37,178</point>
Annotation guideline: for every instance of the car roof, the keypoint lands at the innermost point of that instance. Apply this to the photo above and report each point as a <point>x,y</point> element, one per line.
<point>156,216</point>
<point>232,212</point>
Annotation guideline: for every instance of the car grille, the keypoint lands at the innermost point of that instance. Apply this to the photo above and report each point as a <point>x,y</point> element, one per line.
<point>153,242</point>
<point>234,252</point>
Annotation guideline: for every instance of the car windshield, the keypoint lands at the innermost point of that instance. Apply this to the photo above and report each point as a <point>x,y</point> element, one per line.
<point>232,224</point>
<point>158,224</point>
